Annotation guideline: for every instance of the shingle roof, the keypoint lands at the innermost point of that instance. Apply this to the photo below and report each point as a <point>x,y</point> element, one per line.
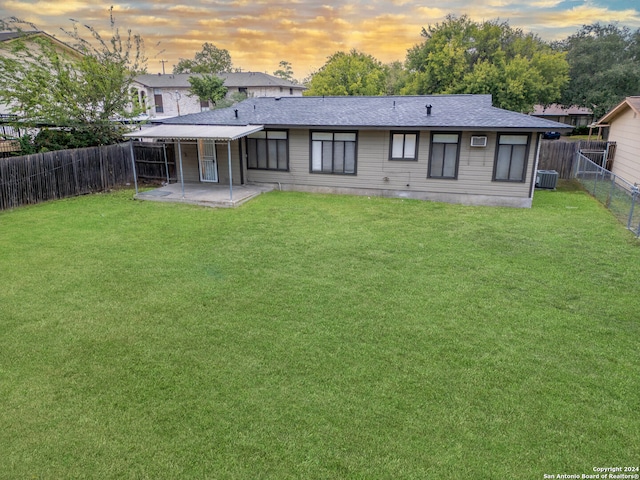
<point>4,36</point>
<point>469,112</point>
<point>11,35</point>
<point>554,110</point>
<point>629,102</point>
<point>231,79</point>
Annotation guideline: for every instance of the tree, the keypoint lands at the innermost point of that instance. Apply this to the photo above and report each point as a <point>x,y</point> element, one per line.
<point>208,87</point>
<point>461,56</point>
<point>604,66</point>
<point>210,59</point>
<point>396,78</point>
<point>84,94</point>
<point>352,73</point>
<point>285,71</point>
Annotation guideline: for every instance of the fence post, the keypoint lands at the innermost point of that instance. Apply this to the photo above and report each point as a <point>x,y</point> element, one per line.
<point>103,177</point>
<point>634,195</point>
<point>166,163</point>
<point>133,164</point>
<point>613,187</point>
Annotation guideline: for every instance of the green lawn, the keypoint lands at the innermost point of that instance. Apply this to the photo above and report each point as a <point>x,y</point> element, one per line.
<point>311,336</point>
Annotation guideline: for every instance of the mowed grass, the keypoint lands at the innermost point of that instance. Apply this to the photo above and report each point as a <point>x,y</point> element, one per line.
<point>311,336</point>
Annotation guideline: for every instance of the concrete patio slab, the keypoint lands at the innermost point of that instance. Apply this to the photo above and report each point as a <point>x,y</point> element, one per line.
<point>205,194</point>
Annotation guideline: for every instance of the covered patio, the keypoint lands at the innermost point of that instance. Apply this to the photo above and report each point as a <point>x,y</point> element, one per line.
<point>209,191</point>
<point>205,194</point>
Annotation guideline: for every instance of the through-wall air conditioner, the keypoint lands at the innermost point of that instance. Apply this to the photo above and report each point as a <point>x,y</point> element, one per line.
<point>478,141</point>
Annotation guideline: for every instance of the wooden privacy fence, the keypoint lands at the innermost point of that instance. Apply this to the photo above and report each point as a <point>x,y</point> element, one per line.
<point>66,173</point>
<point>155,161</point>
<point>560,156</point>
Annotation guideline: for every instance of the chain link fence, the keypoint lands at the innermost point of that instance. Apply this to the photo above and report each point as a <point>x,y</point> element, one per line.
<point>615,193</point>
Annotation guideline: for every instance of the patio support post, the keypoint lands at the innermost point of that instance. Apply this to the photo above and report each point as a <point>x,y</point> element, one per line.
<point>181,174</point>
<point>230,179</point>
<point>166,163</point>
<point>133,165</point>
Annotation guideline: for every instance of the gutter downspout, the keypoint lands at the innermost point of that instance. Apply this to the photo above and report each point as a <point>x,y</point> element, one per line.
<point>535,165</point>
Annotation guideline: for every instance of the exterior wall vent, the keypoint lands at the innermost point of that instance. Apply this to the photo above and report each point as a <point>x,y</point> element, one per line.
<point>546,179</point>
<point>478,141</point>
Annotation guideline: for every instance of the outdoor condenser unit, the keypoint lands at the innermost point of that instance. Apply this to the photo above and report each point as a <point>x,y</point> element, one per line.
<point>546,179</point>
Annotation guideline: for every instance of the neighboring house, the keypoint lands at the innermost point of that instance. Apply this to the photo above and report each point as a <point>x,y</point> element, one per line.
<point>29,38</point>
<point>451,148</point>
<point>574,116</point>
<point>170,95</point>
<point>623,122</point>
<point>8,134</point>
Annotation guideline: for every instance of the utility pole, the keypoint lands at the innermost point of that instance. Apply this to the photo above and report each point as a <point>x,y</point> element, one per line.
<point>163,62</point>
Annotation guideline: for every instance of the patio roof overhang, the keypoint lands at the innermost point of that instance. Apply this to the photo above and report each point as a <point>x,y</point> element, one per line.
<point>223,133</point>
<point>220,133</point>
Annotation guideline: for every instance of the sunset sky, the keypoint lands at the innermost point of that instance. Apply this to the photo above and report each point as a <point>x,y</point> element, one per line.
<point>259,33</point>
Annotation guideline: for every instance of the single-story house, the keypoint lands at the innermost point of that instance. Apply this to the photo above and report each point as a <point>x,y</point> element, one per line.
<point>574,115</point>
<point>451,148</point>
<point>170,95</point>
<point>623,122</point>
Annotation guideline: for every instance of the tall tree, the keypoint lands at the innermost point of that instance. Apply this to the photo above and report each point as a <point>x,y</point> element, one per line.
<point>210,59</point>
<point>83,94</point>
<point>352,73</point>
<point>396,77</point>
<point>604,66</point>
<point>462,56</point>
<point>285,71</point>
<point>208,87</point>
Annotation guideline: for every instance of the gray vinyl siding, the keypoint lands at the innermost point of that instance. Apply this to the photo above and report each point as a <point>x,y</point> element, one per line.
<point>223,162</point>
<point>190,165</point>
<point>375,170</point>
<point>189,162</point>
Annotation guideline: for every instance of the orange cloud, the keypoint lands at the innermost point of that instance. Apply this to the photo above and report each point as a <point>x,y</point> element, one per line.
<point>260,33</point>
<point>44,7</point>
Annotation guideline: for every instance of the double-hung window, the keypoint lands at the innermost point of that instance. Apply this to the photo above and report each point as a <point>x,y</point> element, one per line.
<point>333,152</point>
<point>511,158</point>
<point>404,146</point>
<point>268,150</point>
<point>444,155</point>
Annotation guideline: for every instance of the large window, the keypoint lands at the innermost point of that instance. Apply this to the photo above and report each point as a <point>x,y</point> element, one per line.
<point>444,155</point>
<point>333,152</point>
<point>511,158</point>
<point>404,146</point>
<point>268,150</point>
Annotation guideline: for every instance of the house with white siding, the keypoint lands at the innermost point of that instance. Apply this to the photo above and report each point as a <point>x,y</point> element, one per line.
<point>450,148</point>
<point>32,40</point>
<point>170,95</point>
<point>623,122</point>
